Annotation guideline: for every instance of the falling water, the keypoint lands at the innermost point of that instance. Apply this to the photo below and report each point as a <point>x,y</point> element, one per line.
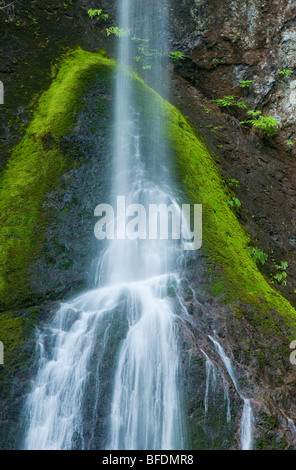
<point>109,362</point>
<point>247,416</point>
<point>211,372</point>
<point>292,427</point>
<point>132,282</point>
<point>247,426</point>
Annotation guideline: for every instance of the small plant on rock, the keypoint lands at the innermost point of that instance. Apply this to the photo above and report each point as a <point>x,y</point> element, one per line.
<point>234,202</point>
<point>176,55</point>
<point>233,183</point>
<point>246,83</point>
<point>93,13</point>
<point>290,143</point>
<point>281,276</point>
<point>286,72</point>
<point>118,32</point>
<point>98,14</point>
<point>258,255</point>
<point>267,124</point>
<point>229,101</point>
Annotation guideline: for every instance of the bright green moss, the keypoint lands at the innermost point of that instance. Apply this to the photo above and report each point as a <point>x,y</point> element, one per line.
<point>59,106</point>
<point>34,169</point>
<point>11,329</point>
<point>224,240</point>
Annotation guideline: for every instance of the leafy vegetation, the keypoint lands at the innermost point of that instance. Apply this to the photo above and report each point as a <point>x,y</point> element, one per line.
<point>267,124</point>
<point>290,143</point>
<point>118,32</point>
<point>234,202</point>
<point>281,276</point>
<point>144,52</point>
<point>229,101</point>
<point>93,13</point>
<point>140,39</point>
<point>98,14</point>
<point>233,183</point>
<point>258,255</point>
<point>285,72</point>
<point>176,55</point>
<point>246,83</point>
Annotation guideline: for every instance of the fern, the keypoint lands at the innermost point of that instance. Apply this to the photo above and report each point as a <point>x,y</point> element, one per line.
<point>258,255</point>
<point>267,124</point>
<point>93,13</point>
<point>119,32</point>
<point>176,55</point>
<point>246,83</point>
<point>286,72</point>
<point>229,100</point>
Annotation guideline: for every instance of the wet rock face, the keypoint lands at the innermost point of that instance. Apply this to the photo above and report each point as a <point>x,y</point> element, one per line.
<point>228,41</point>
<point>212,405</point>
<point>68,259</point>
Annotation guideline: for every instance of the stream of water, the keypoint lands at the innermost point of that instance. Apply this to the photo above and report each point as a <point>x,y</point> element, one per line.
<point>123,334</point>
<point>247,420</point>
<point>145,410</point>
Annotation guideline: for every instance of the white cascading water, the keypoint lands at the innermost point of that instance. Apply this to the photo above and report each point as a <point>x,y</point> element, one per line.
<point>211,375</point>
<point>130,294</point>
<point>247,420</point>
<point>133,278</point>
<point>210,371</point>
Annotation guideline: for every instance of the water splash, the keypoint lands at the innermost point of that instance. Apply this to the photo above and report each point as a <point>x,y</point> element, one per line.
<point>145,410</point>
<point>54,406</point>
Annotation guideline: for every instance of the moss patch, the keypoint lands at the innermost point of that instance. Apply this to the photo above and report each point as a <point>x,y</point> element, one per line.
<point>34,169</point>
<point>224,240</point>
<point>11,329</point>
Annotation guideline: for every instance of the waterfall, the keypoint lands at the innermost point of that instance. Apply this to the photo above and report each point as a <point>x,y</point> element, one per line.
<point>128,312</point>
<point>247,420</point>
<point>109,370</point>
<point>247,426</point>
<point>211,370</point>
<point>292,426</point>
